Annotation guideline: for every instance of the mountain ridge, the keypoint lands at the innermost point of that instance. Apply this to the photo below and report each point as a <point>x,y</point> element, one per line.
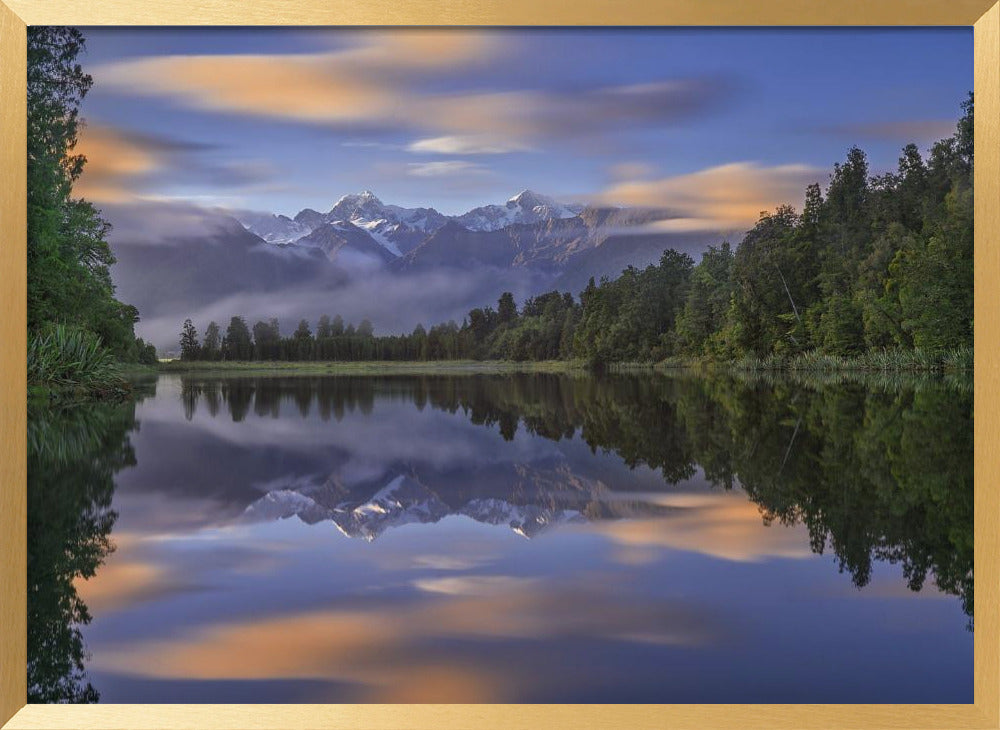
<point>528,230</point>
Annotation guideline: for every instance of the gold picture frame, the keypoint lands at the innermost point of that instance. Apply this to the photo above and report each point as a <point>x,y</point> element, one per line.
<point>16,14</point>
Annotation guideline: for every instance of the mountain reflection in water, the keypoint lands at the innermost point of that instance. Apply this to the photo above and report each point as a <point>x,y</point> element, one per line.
<point>679,531</point>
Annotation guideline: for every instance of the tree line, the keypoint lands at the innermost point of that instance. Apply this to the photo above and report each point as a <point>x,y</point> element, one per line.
<point>876,263</point>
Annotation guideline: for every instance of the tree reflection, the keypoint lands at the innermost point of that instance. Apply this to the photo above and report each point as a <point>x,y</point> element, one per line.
<point>73,454</point>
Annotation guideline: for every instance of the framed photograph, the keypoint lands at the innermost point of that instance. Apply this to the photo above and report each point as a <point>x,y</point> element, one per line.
<point>496,365</point>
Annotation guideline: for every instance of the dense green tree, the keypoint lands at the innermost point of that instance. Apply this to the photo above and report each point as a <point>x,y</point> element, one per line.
<point>323,328</point>
<point>506,308</point>
<point>212,346</point>
<point>337,326</point>
<point>190,349</point>
<point>69,260</point>
<point>237,345</point>
<point>707,303</point>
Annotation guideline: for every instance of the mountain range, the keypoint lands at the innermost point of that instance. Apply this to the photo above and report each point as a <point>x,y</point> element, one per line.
<point>568,242</point>
<point>364,258</point>
<point>398,229</point>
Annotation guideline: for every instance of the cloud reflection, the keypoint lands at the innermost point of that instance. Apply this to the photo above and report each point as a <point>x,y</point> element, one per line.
<point>722,525</point>
<point>386,649</point>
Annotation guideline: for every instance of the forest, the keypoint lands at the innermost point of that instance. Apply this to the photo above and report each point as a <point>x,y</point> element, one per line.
<point>878,271</point>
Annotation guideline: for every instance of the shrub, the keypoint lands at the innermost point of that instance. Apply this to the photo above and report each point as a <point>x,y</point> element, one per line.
<point>63,356</point>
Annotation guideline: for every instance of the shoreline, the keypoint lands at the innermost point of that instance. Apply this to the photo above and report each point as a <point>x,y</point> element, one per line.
<point>876,362</point>
<point>374,367</point>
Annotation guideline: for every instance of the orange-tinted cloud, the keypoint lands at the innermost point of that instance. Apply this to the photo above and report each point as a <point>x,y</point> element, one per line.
<point>123,166</point>
<point>113,160</point>
<point>365,82</point>
<point>726,197</point>
<point>373,85</point>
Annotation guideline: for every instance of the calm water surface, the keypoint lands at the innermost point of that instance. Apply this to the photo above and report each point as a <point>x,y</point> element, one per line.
<point>519,538</point>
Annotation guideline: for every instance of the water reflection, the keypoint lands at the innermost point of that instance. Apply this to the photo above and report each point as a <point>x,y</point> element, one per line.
<point>73,454</point>
<point>874,473</point>
<point>219,590</point>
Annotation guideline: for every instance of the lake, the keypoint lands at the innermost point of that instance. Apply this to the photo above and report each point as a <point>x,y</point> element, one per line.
<point>505,538</point>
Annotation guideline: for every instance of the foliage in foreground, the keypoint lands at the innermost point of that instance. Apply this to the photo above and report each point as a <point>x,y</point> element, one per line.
<point>63,357</point>
<point>69,259</point>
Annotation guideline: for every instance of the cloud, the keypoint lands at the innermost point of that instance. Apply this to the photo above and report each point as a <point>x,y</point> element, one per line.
<point>528,117</point>
<point>726,197</point>
<point>625,171</point>
<point>900,131</point>
<point>380,84</point>
<point>113,159</point>
<point>465,145</point>
<point>393,303</point>
<point>352,84</point>
<point>445,168</point>
<point>151,221</point>
<point>123,165</point>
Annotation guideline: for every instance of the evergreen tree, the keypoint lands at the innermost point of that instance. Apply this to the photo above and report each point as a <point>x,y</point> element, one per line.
<point>323,328</point>
<point>337,326</point>
<point>213,342</point>
<point>237,344</point>
<point>190,349</point>
<point>506,308</point>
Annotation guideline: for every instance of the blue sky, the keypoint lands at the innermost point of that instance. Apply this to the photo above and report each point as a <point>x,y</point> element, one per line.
<point>720,120</point>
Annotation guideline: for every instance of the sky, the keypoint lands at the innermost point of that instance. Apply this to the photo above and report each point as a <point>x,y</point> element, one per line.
<point>720,123</point>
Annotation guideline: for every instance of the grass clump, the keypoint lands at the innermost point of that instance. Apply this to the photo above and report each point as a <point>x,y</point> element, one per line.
<point>67,360</point>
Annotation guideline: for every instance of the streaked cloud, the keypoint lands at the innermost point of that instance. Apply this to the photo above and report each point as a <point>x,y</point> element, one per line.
<point>125,166</point>
<point>627,171</point>
<point>113,160</point>
<point>465,145</point>
<point>443,168</point>
<point>899,131</point>
<point>725,197</point>
<point>377,84</point>
<point>362,82</point>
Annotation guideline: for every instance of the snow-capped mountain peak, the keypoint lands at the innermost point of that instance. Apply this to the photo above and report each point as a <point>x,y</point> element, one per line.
<point>526,207</point>
<point>399,230</point>
<point>528,199</point>
<point>364,206</point>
